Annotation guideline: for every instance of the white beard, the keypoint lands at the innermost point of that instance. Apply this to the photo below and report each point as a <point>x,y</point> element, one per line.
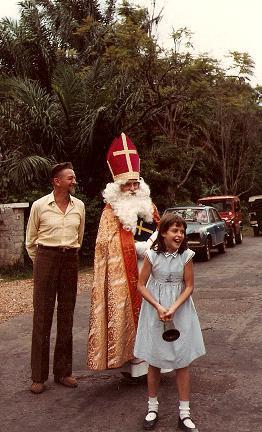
<point>128,207</point>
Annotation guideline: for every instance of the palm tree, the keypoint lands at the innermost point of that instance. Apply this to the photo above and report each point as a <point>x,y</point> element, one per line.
<point>28,48</point>
<point>65,16</point>
<point>30,138</point>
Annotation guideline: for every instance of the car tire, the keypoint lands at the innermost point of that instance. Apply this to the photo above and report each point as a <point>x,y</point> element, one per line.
<point>206,252</point>
<point>231,242</point>
<point>239,237</point>
<point>256,231</point>
<point>222,246</point>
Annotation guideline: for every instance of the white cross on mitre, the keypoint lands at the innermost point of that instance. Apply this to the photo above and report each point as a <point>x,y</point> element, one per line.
<point>126,151</point>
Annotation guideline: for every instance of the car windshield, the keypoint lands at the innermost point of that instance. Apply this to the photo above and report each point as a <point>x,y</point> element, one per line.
<point>220,206</point>
<point>193,215</point>
<point>255,205</point>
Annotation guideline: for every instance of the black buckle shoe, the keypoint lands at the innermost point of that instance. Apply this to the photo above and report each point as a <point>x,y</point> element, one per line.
<point>182,426</point>
<point>150,424</point>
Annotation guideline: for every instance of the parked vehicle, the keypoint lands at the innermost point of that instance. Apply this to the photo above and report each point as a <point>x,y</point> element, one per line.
<point>255,213</point>
<point>228,206</point>
<point>205,229</point>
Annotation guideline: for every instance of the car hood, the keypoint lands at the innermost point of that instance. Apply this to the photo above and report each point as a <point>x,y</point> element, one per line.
<point>194,227</point>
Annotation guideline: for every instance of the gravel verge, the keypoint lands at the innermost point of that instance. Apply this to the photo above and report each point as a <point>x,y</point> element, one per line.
<point>16,297</point>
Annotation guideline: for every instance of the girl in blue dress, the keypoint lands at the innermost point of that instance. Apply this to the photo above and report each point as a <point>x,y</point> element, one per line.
<point>166,283</point>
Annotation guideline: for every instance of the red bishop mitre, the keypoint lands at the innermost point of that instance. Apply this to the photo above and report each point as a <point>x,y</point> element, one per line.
<point>123,159</point>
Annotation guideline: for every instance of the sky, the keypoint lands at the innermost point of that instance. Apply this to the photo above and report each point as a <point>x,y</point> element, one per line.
<point>218,26</point>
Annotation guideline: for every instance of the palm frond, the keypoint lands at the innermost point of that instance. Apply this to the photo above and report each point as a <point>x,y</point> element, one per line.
<point>24,170</point>
<point>35,113</point>
<point>68,86</point>
<point>86,129</point>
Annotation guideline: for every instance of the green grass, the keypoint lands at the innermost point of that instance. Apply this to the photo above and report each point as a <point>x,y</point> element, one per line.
<point>20,272</point>
<point>16,272</point>
<point>85,269</point>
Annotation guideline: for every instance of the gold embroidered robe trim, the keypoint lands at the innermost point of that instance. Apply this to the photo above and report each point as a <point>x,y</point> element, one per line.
<point>112,325</point>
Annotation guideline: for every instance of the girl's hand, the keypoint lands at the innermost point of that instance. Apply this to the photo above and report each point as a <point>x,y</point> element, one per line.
<point>170,313</point>
<point>161,313</point>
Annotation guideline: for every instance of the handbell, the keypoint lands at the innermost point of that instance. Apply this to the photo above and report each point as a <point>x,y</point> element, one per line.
<point>170,333</point>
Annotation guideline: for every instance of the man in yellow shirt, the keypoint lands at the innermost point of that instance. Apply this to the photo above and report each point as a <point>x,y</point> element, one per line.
<point>54,235</point>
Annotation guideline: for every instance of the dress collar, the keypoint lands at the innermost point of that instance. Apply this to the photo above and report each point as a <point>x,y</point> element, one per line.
<point>167,254</point>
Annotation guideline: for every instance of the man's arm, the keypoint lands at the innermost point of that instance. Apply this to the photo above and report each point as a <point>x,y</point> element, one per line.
<point>143,246</point>
<point>82,226</point>
<point>32,232</point>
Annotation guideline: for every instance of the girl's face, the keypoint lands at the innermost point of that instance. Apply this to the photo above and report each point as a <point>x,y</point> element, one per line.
<point>173,237</point>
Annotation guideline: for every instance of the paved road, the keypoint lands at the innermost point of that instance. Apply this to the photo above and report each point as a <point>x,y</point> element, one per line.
<point>226,388</point>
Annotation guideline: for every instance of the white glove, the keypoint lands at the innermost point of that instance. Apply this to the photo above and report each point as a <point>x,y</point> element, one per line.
<point>142,246</point>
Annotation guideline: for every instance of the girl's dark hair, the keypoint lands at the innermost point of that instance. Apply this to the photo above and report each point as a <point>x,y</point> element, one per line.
<point>166,221</point>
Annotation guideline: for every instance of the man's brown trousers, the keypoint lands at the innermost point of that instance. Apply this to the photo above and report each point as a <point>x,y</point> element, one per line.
<point>55,276</point>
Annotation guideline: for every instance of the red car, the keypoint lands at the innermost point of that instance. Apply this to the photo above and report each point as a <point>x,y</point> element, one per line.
<point>228,207</point>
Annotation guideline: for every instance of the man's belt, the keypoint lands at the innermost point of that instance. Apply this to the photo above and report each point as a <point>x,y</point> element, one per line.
<point>62,249</point>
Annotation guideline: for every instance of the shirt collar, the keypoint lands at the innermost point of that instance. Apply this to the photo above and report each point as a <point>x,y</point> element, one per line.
<point>51,198</point>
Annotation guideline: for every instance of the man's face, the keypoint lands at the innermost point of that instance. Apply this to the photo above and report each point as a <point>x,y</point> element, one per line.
<point>130,186</point>
<point>66,181</point>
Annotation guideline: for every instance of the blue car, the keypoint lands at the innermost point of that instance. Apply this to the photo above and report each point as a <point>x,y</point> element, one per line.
<point>205,229</point>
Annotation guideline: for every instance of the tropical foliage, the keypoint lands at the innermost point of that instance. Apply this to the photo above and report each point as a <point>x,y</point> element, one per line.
<point>73,75</point>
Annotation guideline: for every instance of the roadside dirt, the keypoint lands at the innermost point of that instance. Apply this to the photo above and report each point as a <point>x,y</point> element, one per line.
<point>16,296</point>
<point>226,382</point>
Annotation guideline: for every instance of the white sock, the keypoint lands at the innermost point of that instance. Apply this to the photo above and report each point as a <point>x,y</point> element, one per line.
<point>184,411</point>
<point>152,406</point>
